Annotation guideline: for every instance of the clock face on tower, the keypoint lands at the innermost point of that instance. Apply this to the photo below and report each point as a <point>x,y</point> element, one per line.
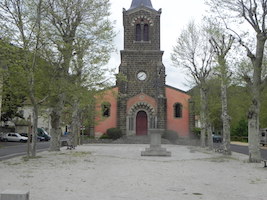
<point>141,76</point>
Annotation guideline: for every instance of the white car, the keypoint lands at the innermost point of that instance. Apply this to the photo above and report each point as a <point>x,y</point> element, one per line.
<point>14,137</point>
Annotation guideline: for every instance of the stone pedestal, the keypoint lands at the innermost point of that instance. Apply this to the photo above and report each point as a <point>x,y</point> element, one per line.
<point>155,148</point>
<point>14,195</point>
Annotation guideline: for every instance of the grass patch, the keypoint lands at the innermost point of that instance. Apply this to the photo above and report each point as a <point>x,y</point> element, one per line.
<point>13,164</point>
<point>219,159</point>
<point>59,154</point>
<point>23,160</point>
<point>73,153</point>
<point>69,162</point>
<point>26,158</point>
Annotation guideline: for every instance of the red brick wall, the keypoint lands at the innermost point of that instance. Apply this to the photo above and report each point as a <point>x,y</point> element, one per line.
<point>180,125</point>
<point>104,123</point>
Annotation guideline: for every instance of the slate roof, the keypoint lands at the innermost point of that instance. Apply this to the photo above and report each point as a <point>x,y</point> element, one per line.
<point>139,3</point>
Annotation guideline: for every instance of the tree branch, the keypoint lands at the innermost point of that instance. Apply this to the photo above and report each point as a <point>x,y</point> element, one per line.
<point>249,53</point>
<point>43,100</point>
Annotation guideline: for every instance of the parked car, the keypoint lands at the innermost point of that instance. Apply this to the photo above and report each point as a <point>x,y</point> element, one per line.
<point>217,138</point>
<point>43,133</point>
<point>39,138</point>
<point>14,137</point>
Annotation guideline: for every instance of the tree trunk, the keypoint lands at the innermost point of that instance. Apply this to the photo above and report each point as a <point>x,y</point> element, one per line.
<point>32,82</point>
<point>253,132</point>
<point>34,130</point>
<point>75,124</point>
<point>209,133</point>
<point>29,135</point>
<point>34,109</point>
<point>254,111</point>
<point>225,120</point>
<point>203,116</point>
<point>55,124</point>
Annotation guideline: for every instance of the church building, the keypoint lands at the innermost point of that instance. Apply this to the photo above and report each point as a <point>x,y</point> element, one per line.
<point>141,100</point>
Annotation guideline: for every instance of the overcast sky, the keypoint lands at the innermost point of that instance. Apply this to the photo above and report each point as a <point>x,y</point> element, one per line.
<point>175,16</point>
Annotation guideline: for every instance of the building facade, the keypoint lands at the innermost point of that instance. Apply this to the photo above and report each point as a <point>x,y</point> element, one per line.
<point>141,100</point>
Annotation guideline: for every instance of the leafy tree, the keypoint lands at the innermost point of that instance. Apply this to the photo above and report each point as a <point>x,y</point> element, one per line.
<point>10,104</point>
<point>22,20</point>
<point>87,74</point>
<point>68,24</point>
<point>12,94</point>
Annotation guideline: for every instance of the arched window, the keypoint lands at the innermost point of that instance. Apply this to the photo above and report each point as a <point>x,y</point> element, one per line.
<point>106,109</point>
<point>138,32</point>
<point>146,33</point>
<point>142,32</point>
<point>177,110</point>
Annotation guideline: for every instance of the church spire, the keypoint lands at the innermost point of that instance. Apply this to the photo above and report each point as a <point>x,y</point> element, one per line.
<point>139,3</point>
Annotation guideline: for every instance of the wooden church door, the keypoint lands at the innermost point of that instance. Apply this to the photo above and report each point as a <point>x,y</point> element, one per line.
<point>141,123</point>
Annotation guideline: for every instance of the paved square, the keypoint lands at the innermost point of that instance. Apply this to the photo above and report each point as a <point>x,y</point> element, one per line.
<point>113,172</point>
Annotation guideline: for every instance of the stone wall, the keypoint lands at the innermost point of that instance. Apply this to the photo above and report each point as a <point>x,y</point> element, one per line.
<point>131,18</point>
<point>144,56</point>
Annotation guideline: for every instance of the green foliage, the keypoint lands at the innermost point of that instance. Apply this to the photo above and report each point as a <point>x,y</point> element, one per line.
<point>79,71</point>
<point>238,104</point>
<point>214,102</point>
<point>263,113</point>
<point>114,133</point>
<point>170,135</point>
<point>195,95</point>
<point>88,137</point>
<point>10,104</point>
<point>65,62</point>
<point>104,136</point>
<point>12,90</point>
<point>16,66</point>
<point>197,132</point>
<point>240,131</point>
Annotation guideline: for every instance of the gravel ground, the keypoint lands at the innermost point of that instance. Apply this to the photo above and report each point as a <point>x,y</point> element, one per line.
<point>117,171</point>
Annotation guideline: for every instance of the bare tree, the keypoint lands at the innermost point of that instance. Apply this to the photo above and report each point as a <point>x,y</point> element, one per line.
<point>254,13</point>
<point>222,44</point>
<point>194,53</point>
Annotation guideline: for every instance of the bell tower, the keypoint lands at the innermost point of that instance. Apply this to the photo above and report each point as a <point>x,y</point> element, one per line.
<point>141,72</point>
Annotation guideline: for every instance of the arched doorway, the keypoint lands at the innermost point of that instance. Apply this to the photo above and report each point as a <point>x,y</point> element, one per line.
<point>141,123</point>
